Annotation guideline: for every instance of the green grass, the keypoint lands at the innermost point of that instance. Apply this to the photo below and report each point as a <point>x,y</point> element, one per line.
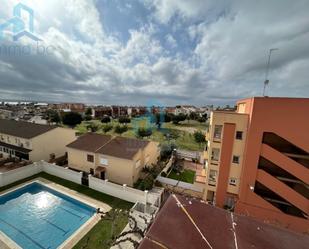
<point>185,176</point>
<point>100,235</point>
<point>182,139</point>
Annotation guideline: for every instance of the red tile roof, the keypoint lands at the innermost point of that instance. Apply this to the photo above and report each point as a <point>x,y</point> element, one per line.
<point>104,144</point>
<point>194,224</point>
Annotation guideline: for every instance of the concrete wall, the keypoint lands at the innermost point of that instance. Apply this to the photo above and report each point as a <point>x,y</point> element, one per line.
<point>51,142</point>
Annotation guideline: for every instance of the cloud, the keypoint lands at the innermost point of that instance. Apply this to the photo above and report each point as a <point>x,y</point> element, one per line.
<point>216,54</point>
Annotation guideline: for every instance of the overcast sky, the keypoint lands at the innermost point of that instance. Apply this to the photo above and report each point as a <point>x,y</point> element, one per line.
<point>158,51</point>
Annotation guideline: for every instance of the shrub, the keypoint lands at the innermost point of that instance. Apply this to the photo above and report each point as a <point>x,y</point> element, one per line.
<point>88,118</point>
<point>107,128</point>
<point>120,129</point>
<point>106,119</point>
<point>144,132</point>
<point>124,120</point>
<point>93,127</point>
<point>199,137</point>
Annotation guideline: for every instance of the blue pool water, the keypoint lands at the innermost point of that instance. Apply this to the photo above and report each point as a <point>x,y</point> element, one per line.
<point>37,217</point>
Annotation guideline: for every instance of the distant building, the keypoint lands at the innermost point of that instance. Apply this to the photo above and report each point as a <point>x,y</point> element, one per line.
<point>257,160</point>
<point>33,142</point>
<point>69,107</point>
<point>118,159</point>
<point>100,111</point>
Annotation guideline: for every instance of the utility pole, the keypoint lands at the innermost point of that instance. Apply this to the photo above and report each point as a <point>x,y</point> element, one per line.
<point>266,82</point>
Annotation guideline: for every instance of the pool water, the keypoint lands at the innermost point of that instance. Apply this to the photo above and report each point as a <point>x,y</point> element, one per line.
<point>37,217</point>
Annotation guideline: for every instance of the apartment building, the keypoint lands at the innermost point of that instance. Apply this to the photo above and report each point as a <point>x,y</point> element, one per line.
<point>33,142</point>
<point>117,159</point>
<point>257,160</point>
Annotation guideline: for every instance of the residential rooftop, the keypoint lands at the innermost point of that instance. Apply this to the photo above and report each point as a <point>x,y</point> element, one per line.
<point>90,142</point>
<point>23,129</point>
<point>104,144</point>
<point>123,147</point>
<point>188,223</point>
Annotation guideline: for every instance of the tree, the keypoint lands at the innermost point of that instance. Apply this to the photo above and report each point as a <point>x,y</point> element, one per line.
<point>72,119</point>
<point>106,119</point>
<point>93,127</point>
<point>199,137</point>
<point>179,118</point>
<point>202,119</point>
<point>120,129</point>
<point>88,112</point>
<point>167,150</point>
<point>193,116</point>
<point>88,117</point>
<point>168,117</point>
<point>52,116</point>
<point>144,132</point>
<point>124,120</point>
<point>107,128</point>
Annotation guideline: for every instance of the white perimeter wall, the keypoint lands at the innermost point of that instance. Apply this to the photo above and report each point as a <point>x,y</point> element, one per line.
<point>35,168</point>
<point>122,192</point>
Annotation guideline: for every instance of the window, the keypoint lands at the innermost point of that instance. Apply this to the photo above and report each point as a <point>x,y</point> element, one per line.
<point>239,135</point>
<point>27,144</point>
<point>103,161</point>
<point>218,131</point>
<point>212,178</point>
<point>233,181</point>
<point>236,159</point>
<point>90,158</point>
<point>215,154</point>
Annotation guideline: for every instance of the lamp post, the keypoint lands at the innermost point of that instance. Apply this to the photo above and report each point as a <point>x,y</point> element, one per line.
<point>266,82</point>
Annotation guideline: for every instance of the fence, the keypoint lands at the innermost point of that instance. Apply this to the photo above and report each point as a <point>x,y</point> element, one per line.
<point>180,184</point>
<point>35,168</point>
<point>122,192</point>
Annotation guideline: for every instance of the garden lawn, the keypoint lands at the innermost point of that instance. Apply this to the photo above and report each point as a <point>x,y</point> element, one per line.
<point>185,176</point>
<point>182,138</point>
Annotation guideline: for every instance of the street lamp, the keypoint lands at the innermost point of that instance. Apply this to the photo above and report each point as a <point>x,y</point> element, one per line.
<point>266,82</point>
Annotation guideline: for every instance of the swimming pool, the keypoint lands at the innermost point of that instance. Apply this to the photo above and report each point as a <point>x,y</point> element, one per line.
<point>38,217</point>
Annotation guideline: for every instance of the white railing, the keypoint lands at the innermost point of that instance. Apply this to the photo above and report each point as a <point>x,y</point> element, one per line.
<point>122,192</point>
<point>180,184</point>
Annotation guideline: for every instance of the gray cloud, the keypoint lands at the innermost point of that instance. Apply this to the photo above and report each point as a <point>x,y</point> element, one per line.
<point>227,62</point>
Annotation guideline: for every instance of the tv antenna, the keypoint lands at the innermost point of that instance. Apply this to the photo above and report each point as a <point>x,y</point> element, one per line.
<point>266,82</point>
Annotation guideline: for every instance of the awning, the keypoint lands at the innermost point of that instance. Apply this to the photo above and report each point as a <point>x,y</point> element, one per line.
<point>100,169</point>
<point>16,148</point>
